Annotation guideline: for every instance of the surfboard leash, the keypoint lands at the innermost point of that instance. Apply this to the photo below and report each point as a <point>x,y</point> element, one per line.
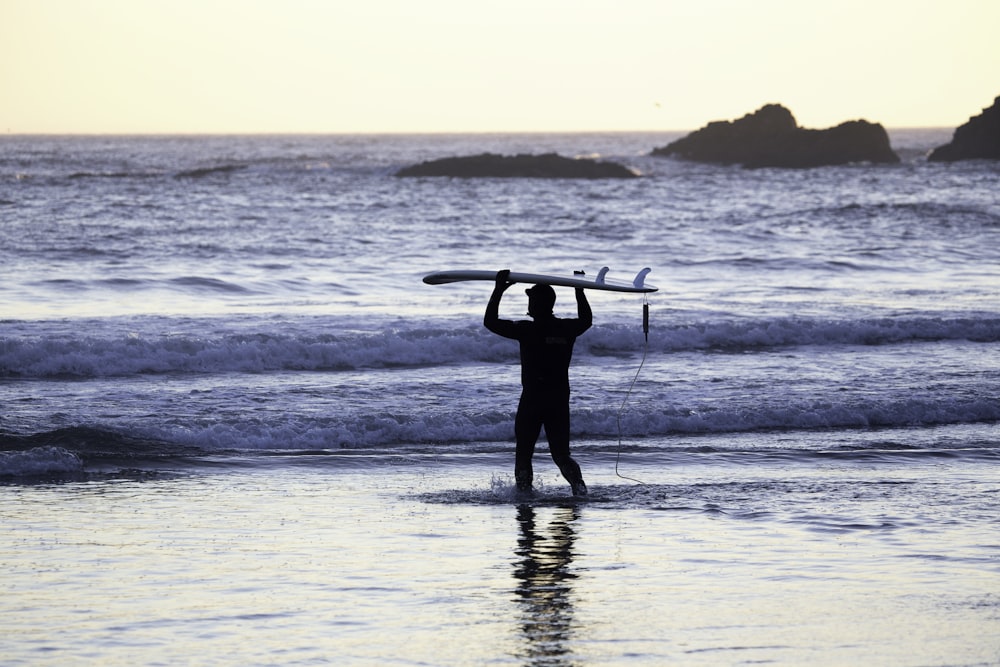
<point>628,393</point>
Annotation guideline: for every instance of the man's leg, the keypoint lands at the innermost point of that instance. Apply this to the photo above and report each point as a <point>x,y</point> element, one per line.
<point>527,426</point>
<point>557,433</point>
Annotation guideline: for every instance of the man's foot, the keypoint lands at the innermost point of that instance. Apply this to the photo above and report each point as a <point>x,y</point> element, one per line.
<point>523,483</point>
<point>579,488</point>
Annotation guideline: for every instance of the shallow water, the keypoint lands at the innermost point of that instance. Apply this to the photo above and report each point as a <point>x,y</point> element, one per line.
<point>412,559</point>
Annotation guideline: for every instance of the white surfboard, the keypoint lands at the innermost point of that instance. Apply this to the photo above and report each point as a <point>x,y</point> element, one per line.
<point>599,281</point>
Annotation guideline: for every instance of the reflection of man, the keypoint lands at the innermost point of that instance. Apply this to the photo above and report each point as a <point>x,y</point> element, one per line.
<point>546,349</point>
<point>543,585</point>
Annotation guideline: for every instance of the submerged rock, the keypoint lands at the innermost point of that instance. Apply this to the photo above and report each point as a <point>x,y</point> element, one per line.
<point>770,137</point>
<point>490,165</point>
<point>977,139</point>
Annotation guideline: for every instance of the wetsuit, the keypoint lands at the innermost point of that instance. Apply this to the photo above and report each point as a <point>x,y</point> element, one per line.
<point>546,344</point>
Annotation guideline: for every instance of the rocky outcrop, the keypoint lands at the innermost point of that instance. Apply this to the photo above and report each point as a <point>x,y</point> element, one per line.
<point>978,139</point>
<point>770,137</point>
<point>490,165</point>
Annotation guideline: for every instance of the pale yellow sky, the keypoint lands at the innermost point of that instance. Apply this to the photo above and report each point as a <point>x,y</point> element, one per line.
<point>245,66</point>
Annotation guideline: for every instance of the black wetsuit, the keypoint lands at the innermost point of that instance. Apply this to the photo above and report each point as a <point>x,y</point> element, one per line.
<point>546,350</point>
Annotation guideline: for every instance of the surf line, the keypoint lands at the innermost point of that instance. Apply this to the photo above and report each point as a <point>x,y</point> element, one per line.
<point>628,393</point>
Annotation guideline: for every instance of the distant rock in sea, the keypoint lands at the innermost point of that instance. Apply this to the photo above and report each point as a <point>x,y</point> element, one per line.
<point>490,165</point>
<point>770,137</point>
<point>978,139</point>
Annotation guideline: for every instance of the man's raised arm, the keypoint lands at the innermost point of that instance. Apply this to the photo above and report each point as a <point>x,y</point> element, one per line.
<point>583,311</point>
<point>491,319</point>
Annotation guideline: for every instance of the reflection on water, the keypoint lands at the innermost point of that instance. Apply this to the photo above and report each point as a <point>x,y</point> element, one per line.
<point>544,585</point>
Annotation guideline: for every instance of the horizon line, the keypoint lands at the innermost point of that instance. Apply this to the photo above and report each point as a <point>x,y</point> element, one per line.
<point>303,133</point>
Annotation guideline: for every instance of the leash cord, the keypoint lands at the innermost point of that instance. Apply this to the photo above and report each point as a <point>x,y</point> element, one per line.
<point>645,349</point>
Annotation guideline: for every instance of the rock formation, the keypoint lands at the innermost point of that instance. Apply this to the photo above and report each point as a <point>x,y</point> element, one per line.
<point>978,139</point>
<point>490,165</point>
<point>770,137</point>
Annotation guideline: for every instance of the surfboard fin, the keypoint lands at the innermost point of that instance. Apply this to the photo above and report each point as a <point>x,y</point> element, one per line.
<point>640,278</point>
<point>600,275</point>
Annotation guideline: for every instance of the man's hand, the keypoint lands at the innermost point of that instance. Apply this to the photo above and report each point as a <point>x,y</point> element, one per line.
<point>502,280</point>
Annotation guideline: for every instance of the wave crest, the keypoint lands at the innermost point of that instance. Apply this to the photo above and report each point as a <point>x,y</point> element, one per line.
<point>133,354</point>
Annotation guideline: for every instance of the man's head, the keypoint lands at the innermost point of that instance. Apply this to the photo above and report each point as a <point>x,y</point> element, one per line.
<point>541,300</point>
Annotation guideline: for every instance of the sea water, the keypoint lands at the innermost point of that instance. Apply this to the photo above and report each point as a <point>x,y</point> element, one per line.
<point>237,428</point>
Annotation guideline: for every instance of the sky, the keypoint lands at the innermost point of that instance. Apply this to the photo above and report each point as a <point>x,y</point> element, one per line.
<point>332,66</point>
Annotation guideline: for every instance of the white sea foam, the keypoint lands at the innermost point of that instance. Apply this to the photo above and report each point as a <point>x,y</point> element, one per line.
<point>37,461</point>
<point>89,355</point>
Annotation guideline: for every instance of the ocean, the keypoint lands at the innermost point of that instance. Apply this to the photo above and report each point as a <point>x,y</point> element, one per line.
<point>237,429</point>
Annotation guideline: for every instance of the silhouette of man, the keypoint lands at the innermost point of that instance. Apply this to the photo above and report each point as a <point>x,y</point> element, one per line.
<point>546,343</point>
